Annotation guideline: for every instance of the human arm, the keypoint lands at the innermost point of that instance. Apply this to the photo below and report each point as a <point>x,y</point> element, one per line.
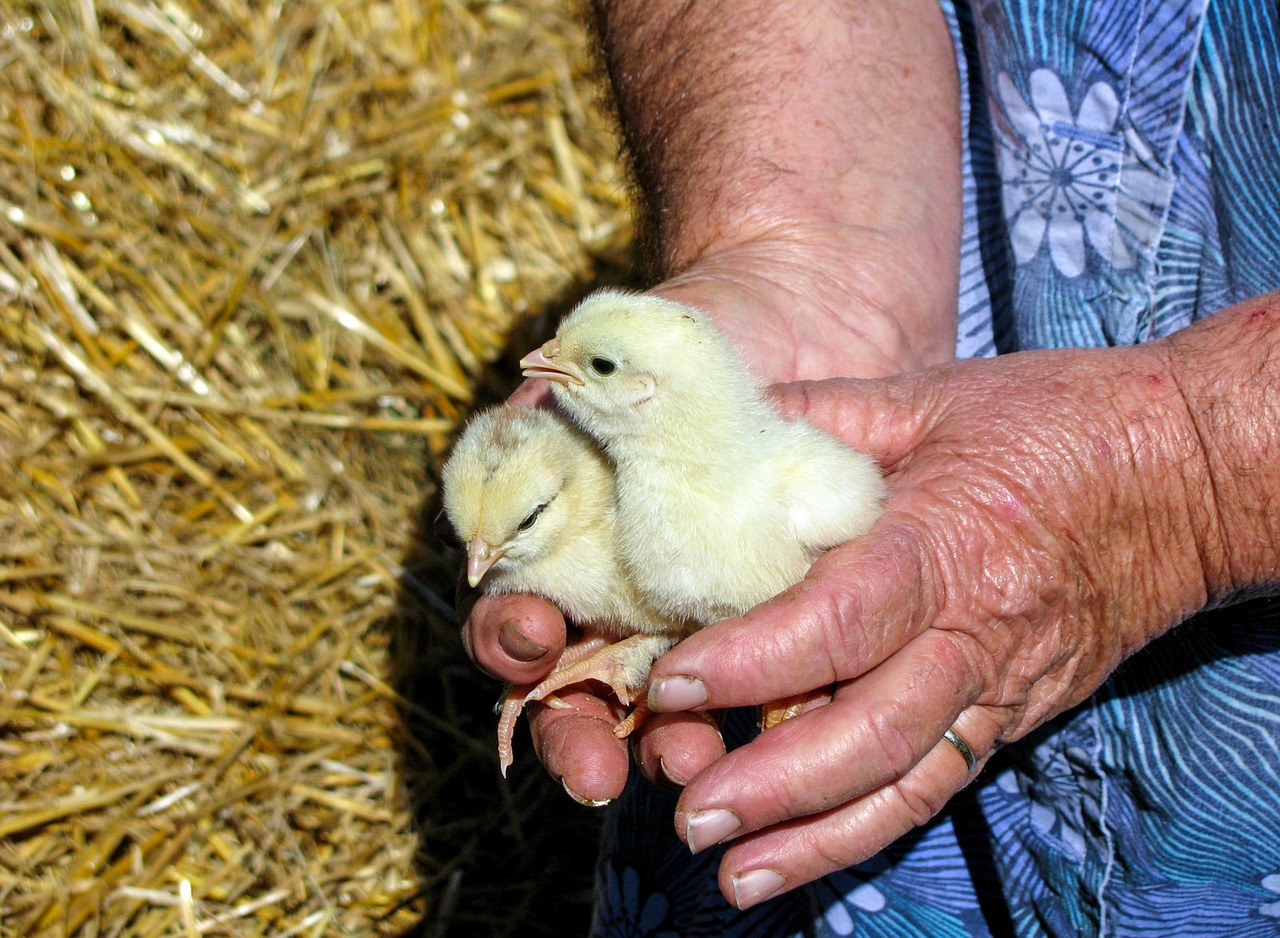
<point>1050,513</point>
<point>800,168</point>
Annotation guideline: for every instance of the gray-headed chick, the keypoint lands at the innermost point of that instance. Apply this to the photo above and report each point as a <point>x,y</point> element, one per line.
<point>721,502</point>
<point>532,500</point>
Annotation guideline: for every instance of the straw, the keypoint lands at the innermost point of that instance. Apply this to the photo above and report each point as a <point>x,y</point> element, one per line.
<point>257,262</point>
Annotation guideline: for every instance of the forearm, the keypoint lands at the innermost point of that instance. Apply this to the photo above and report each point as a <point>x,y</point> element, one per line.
<point>825,136</point>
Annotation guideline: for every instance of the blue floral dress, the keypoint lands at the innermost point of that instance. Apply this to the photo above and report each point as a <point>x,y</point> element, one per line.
<point>1122,179</point>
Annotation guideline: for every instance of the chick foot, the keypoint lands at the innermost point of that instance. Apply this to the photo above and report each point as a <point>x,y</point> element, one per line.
<point>773,713</point>
<point>623,665</point>
<point>512,704</point>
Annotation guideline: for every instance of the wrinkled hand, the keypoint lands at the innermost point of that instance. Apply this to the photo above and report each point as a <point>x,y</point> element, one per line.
<point>776,300</point>
<point>1036,533</point>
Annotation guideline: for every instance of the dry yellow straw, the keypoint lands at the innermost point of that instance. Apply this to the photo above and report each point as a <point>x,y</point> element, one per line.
<point>257,261</point>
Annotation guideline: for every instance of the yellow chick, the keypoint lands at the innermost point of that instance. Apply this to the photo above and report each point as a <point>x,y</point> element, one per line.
<point>721,502</point>
<point>531,498</point>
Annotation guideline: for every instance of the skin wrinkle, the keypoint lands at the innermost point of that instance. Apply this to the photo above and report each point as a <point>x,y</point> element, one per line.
<point>1017,591</point>
<point>844,602</point>
<point>895,745</point>
<point>920,807</point>
<point>881,712</point>
<point>1237,538</point>
<point>790,783</point>
<point>1086,551</point>
<point>944,663</point>
<point>1015,600</point>
<point>840,607</point>
<point>1151,443</point>
<point>947,657</point>
<point>833,859</point>
<point>853,300</point>
<point>1150,533</point>
<point>780,646</point>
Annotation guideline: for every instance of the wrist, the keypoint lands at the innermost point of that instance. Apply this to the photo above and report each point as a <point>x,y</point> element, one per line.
<point>1164,517</point>
<point>1200,414</point>
<point>1227,373</point>
<point>809,303</point>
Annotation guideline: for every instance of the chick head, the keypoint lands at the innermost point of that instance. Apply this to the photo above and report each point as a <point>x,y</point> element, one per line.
<point>618,360</point>
<point>517,482</point>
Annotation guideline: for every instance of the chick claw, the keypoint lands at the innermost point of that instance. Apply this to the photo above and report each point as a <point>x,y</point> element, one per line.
<point>634,720</point>
<point>508,713</point>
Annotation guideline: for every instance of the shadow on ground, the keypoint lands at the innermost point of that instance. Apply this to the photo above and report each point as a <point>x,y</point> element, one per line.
<point>496,857</point>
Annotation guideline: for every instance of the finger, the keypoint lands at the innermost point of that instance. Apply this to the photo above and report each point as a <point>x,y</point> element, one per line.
<point>515,637</point>
<point>874,731</point>
<point>672,748</point>
<point>857,605</point>
<point>577,746</point>
<point>886,418</point>
<point>781,858</point>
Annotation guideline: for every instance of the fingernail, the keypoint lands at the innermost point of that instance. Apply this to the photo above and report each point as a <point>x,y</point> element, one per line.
<point>588,802</point>
<point>705,828</point>
<point>681,692</point>
<point>673,778</point>
<point>518,645</point>
<point>754,886</point>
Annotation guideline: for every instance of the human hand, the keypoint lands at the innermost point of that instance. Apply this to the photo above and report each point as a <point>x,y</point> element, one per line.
<point>758,294</point>
<point>818,227</point>
<point>1033,538</point>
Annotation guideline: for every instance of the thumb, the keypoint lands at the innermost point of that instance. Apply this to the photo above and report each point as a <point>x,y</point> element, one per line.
<point>883,417</point>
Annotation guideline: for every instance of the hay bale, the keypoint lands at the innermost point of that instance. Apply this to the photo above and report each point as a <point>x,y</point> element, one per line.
<point>255,261</point>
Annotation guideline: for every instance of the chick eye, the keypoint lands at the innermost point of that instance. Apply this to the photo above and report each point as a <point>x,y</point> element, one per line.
<point>527,523</point>
<point>603,366</point>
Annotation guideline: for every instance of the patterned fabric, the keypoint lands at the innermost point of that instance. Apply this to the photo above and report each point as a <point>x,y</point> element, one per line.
<point>1122,179</point>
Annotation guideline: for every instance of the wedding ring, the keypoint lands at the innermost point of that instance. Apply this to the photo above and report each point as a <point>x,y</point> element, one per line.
<point>962,747</point>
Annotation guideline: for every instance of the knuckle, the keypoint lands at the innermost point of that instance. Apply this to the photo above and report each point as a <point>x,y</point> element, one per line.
<point>919,804</point>
<point>959,662</point>
<point>896,748</point>
<point>831,856</point>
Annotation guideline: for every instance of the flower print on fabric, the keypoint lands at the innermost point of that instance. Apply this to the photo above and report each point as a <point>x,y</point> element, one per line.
<point>849,898</point>
<point>1062,174</point>
<point>1271,883</point>
<point>630,911</point>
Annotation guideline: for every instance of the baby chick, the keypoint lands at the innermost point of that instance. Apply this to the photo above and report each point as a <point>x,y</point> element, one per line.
<point>531,498</point>
<point>721,502</point>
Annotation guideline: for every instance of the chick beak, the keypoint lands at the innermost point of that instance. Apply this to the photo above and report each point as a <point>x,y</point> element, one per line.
<point>480,557</point>
<point>541,363</point>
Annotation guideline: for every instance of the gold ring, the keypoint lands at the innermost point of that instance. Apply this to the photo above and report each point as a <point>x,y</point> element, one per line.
<point>962,747</point>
